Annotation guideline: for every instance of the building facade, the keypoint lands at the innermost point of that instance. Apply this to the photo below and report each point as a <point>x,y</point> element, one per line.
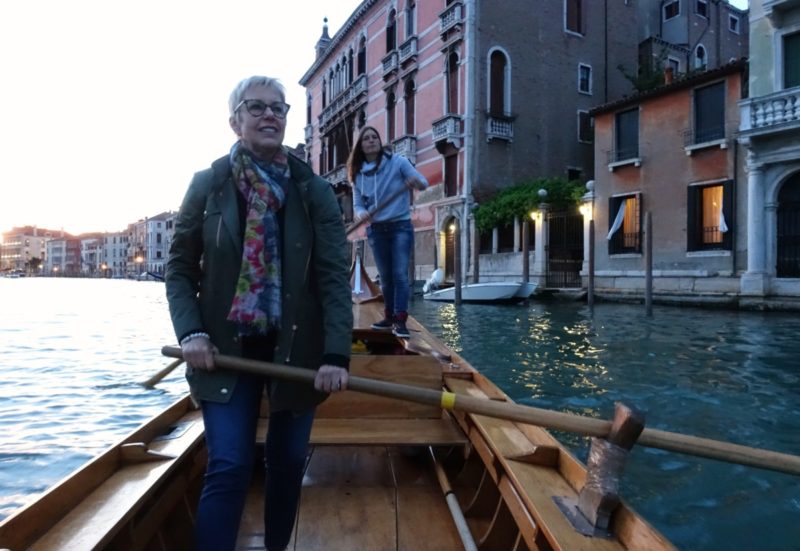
<point>770,130</point>
<point>115,254</point>
<point>24,249</point>
<point>482,96</point>
<point>691,35</point>
<point>671,154</point>
<point>479,95</point>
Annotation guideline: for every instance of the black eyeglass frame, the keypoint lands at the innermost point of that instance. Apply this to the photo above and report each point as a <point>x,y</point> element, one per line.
<point>260,112</point>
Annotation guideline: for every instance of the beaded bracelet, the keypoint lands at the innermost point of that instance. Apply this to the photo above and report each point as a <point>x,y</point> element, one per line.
<point>192,336</point>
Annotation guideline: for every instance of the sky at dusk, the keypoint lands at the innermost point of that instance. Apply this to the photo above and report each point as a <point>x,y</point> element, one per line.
<point>107,108</point>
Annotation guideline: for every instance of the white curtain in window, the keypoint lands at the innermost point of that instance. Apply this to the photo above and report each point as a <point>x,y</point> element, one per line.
<point>723,227</point>
<point>618,220</point>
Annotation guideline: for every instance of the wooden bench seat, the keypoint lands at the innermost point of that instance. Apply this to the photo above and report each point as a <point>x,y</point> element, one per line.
<point>354,418</point>
<point>122,500</point>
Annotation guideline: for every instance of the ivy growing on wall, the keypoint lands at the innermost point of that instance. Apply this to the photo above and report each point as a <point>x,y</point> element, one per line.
<point>520,200</point>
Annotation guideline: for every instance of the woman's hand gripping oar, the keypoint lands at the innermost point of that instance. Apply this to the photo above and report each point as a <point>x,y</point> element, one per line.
<point>692,445</point>
<point>358,223</point>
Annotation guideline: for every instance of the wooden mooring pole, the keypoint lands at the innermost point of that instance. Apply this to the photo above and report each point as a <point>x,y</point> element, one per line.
<point>648,264</point>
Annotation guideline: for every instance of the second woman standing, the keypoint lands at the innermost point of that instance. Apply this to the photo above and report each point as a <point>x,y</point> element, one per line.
<point>381,193</point>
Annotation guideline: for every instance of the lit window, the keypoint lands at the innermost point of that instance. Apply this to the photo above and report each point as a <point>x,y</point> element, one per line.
<point>709,216</point>
<point>624,232</point>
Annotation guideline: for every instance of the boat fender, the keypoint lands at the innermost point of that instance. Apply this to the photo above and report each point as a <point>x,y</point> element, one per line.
<point>436,279</point>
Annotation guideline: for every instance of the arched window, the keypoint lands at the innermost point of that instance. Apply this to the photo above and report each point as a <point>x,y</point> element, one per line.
<point>411,16</point>
<point>390,103</point>
<point>362,56</point>
<point>308,109</point>
<point>408,93</point>
<point>700,61</point>
<point>324,93</point>
<point>498,83</point>
<point>452,83</point>
<point>391,31</point>
<point>350,67</point>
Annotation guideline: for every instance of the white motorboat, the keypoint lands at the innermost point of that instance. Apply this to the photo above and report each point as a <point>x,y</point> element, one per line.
<point>498,291</point>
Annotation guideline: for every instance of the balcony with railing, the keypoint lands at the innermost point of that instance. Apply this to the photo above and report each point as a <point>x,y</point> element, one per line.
<point>448,128</point>
<point>390,64</point>
<point>343,101</point>
<point>704,138</point>
<point>451,18</point>
<point>408,50</point>
<point>499,127</point>
<point>774,112</point>
<point>407,147</point>
<point>337,176</point>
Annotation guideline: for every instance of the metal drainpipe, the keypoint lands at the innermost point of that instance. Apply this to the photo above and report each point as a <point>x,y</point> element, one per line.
<point>469,119</point>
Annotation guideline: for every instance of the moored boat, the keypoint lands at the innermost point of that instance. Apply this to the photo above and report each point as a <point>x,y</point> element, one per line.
<point>382,473</point>
<point>499,291</point>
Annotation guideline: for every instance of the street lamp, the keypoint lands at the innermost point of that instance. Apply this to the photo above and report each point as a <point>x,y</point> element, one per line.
<point>104,267</point>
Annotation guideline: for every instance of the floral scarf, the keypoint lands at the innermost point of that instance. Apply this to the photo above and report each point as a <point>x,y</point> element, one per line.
<point>256,306</point>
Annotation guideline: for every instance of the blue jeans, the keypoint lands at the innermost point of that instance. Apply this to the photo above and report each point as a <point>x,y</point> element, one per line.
<point>391,244</point>
<point>230,437</point>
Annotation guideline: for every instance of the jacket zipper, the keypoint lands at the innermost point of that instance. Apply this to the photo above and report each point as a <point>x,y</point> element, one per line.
<point>219,228</point>
<point>305,274</point>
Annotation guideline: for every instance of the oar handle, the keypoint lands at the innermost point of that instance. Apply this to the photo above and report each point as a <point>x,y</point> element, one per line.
<point>587,426</point>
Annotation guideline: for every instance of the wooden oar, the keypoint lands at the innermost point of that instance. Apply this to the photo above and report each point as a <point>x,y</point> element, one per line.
<point>692,445</point>
<point>355,225</point>
<point>155,379</point>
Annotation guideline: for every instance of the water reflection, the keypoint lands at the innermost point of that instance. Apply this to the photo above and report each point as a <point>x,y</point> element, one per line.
<point>717,374</point>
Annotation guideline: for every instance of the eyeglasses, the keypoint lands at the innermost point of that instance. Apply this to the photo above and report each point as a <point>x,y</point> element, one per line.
<point>257,108</point>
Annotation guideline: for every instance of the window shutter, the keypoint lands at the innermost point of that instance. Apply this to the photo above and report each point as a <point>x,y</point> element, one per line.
<point>693,222</point>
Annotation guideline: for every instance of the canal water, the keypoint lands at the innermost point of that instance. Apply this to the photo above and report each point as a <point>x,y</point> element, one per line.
<point>74,351</point>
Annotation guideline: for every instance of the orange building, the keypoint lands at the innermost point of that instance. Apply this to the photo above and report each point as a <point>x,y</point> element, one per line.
<point>671,153</point>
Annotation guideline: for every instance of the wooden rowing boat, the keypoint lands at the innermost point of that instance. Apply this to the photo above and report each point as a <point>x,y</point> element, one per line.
<point>382,474</point>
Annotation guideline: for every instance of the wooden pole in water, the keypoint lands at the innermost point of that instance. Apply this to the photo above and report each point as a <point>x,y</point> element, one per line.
<point>457,261</point>
<point>588,426</point>
<point>525,248</point>
<point>648,264</point>
<point>590,286</point>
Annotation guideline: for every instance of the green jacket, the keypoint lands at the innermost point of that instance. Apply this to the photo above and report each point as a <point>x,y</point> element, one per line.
<point>203,267</point>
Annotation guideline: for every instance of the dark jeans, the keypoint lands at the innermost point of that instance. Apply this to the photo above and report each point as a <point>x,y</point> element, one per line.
<point>391,244</point>
<point>230,436</point>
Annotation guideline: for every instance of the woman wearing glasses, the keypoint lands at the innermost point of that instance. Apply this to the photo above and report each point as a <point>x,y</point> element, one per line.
<point>381,184</point>
<point>258,269</point>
